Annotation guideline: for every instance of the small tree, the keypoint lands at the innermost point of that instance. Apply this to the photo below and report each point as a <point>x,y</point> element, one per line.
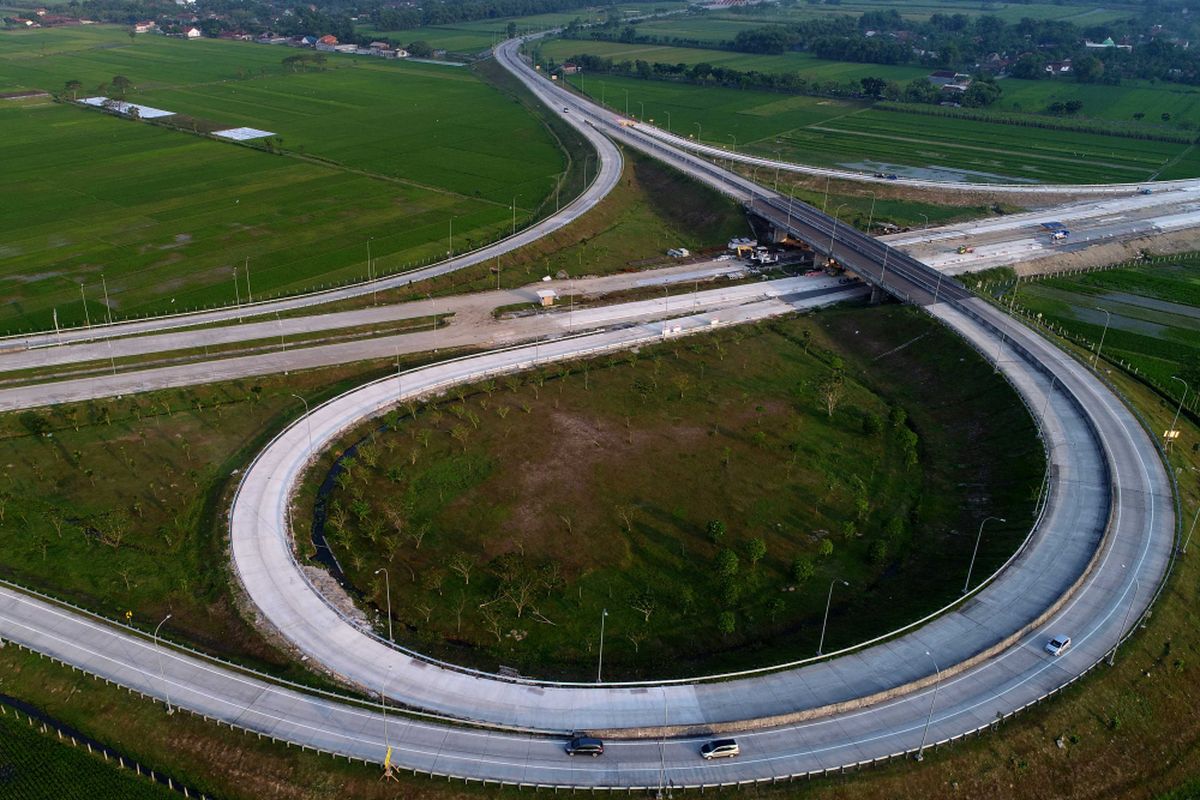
<point>726,622</point>
<point>825,548</point>
<point>644,602</point>
<point>802,569</point>
<point>727,563</point>
<point>715,530</point>
<point>831,391</point>
<point>756,550</point>
<point>462,564</point>
<point>73,86</point>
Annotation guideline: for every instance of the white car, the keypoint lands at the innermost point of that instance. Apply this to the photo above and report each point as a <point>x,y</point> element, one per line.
<point>1058,645</point>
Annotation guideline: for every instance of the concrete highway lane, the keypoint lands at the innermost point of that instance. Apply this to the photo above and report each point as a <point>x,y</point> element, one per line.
<point>1089,569</point>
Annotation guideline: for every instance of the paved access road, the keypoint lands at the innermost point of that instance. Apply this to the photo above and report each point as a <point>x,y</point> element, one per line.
<point>476,329</point>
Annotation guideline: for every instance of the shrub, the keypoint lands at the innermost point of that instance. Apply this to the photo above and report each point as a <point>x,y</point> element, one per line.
<point>715,530</point>
<point>726,622</point>
<point>727,563</point>
<point>802,569</point>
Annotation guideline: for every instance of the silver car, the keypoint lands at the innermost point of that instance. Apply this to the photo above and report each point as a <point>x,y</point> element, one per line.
<point>720,748</point>
<point>1058,645</point>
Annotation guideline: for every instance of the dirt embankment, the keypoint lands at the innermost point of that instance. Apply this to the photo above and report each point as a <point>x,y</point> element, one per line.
<point>1103,255</point>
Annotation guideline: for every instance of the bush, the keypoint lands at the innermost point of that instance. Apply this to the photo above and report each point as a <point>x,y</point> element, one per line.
<point>756,550</point>
<point>826,548</point>
<point>715,530</point>
<point>802,569</point>
<point>727,563</point>
<point>872,424</point>
<point>726,622</point>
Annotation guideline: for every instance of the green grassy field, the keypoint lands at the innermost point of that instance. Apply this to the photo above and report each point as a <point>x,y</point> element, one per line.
<point>1078,13</point>
<point>806,64</point>
<point>1180,101</point>
<point>389,152</point>
<point>34,766</point>
<point>830,132</point>
<point>570,491</point>
<point>119,505</point>
<point>1155,327</point>
<point>479,35</point>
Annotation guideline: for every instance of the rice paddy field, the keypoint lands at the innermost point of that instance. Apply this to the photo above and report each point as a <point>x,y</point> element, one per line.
<point>831,132</point>
<point>479,35</point>
<point>1155,317</point>
<point>1079,14</point>
<point>374,151</point>
<point>808,65</point>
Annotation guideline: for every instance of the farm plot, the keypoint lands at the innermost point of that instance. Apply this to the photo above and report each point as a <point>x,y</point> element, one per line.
<point>1180,103</point>
<point>805,64</point>
<point>830,132</point>
<point>979,151</point>
<point>719,112</point>
<point>371,151</point>
<point>1155,325</point>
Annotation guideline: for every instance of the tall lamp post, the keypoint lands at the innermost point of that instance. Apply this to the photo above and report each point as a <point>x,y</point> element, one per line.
<point>699,131</point>
<point>1195,519</point>
<point>731,136</point>
<point>161,675</point>
<point>668,113</point>
<point>1104,333</point>
<point>833,231</point>
<point>975,552</point>
<point>600,663</point>
<point>929,719</point>
<point>1180,406</point>
<point>825,622</point>
<point>1113,655</point>
<point>387,583</point>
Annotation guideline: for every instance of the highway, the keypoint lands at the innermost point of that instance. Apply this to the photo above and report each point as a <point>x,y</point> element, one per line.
<point>1098,450</point>
<point>1089,569</point>
<point>475,328</point>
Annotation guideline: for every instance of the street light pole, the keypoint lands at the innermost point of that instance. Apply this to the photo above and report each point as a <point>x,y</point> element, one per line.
<point>387,582</point>
<point>1104,333</point>
<point>642,105</point>
<point>1177,410</point>
<point>871,216</point>
<point>600,663</point>
<point>926,225</point>
<point>699,131</point>
<point>161,675</point>
<point>83,299</point>
<point>833,232</point>
<point>1195,519</point>
<point>975,552</point>
<point>731,136</point>
<point>668,113</point>
<point>307,419</point>
<point>937,681</point>
<point>1113,655</point>
<point>825,622</point>
<point>108,308</point>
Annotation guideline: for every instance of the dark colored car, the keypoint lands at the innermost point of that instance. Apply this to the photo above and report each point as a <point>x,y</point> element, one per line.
<point>585,746</point>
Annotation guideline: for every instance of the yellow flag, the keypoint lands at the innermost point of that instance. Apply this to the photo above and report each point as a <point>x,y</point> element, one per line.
<point>387,759</point>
